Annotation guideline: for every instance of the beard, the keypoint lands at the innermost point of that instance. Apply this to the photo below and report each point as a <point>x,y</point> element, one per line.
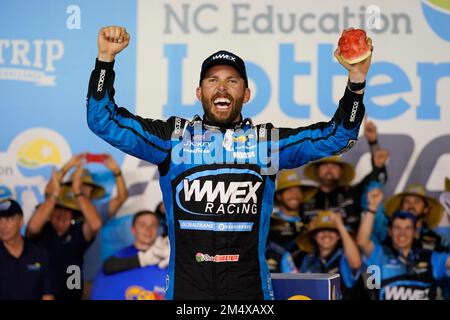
<point>222,118</point>
<point>329,180</point>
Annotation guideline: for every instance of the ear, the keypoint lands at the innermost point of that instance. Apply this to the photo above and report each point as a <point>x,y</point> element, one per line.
<point>247,95</point>
<point>133,231</point>
<point>198,93</point>
<point>390,232</point>
<point>21,221</point>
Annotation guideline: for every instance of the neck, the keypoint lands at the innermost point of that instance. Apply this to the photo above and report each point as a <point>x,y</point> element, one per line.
<point>142,246</point>
<point>289,212</point>
<point>404,251</point>
<point>327,187</point>
<point>218,124</point>
<point>14,246</point>
<point>325,252</point>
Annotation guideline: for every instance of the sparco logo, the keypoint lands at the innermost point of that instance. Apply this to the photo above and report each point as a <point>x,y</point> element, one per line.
<point>404,293</point>
<point>354,110</point>
<point>224,56</point>
<point>101,80</point>
<point>210,192</point>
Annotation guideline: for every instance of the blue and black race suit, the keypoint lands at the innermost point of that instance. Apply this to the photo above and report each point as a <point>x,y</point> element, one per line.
<point>408,278</point>
<point>218,184</point>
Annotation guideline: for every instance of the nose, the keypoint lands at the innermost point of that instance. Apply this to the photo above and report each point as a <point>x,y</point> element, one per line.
<point>222,86</point>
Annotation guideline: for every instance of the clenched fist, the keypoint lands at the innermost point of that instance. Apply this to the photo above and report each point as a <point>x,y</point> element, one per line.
<point>111,41</point>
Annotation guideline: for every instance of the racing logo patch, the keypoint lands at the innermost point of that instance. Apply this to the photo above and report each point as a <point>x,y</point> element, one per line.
<point>225,191</point>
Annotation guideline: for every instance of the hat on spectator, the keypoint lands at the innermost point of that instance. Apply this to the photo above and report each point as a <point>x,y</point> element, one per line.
<point>67,199</point>
<point>435,210</point>
<point>10,207</point>
<point>323,221</point>
<point>288,178</point>
<point>86,178</point>
<point>348,171</point>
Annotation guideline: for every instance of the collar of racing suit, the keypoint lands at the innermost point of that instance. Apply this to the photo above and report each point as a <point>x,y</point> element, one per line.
<point>217,126</point>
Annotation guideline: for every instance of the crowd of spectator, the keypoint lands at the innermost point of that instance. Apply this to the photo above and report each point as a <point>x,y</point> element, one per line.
<point>321,224</point>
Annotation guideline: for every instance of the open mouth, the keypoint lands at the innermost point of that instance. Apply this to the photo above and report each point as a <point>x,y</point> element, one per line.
<point>222,103</point>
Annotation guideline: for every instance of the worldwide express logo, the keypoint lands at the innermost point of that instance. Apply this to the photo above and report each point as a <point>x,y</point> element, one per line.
<point>225,191</point>
<point>437,15</point>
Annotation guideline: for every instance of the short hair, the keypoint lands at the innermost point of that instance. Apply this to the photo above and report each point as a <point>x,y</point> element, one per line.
<point>403,215</point>
<point>141,213</point>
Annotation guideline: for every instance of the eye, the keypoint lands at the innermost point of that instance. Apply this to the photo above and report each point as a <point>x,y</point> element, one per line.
<point>233,81</point>
<point>211,80</point>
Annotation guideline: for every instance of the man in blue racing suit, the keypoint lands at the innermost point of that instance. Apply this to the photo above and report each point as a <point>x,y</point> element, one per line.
<point>217,173</point>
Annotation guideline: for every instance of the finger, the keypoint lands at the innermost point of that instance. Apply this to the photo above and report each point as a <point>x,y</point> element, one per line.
<point>127,37</point>
<point>104,33</point>
<point>111,31</point>
<point>108,32</point>
<point>118,34</point>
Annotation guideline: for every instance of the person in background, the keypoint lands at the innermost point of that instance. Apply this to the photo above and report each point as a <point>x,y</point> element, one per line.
<point>106,209</point>
<point>408,271</point>
<point>444,199</point>
<point>286,221</point>
<point>26,271</point>
<point>428,212</point>
<point>327,247</point>
<point>334,177</point>
<point>65,224</point>
<point>142,265</point>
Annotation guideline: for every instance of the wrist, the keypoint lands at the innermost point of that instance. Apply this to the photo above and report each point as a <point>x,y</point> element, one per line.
<point>117,173</point>
<point>106,57</point>
<point>356,77</point>
<point>371,210</point>
<point>51,195</point>
<point>356,86</point>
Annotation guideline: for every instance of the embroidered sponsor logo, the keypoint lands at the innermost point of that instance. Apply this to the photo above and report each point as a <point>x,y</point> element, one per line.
<point>216,226</point>
<point>203,257</point>
<point>101,80</point>
<point>354,110</point>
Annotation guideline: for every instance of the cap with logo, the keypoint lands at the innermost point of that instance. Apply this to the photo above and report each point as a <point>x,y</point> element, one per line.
<point>227,58</point>
<point>9,207</point>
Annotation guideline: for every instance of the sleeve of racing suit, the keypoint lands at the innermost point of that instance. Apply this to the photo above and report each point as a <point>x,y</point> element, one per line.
<point>298,146</point>
<point>143,138</point>
<point>118,264</point>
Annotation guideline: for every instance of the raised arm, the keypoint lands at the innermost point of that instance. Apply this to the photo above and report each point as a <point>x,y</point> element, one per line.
<point>92,221</point>
<point>298,146</point>
<point>122,192</point>
<point>350,248</point>
<point>375,197</point>
<point>146,139</point>
<point>43,212</point>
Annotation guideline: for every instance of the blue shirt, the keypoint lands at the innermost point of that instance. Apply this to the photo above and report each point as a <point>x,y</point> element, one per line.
<point>335,263</point>
<point>27,277</point>
<point>146,283</point>
<point>410,278</point>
